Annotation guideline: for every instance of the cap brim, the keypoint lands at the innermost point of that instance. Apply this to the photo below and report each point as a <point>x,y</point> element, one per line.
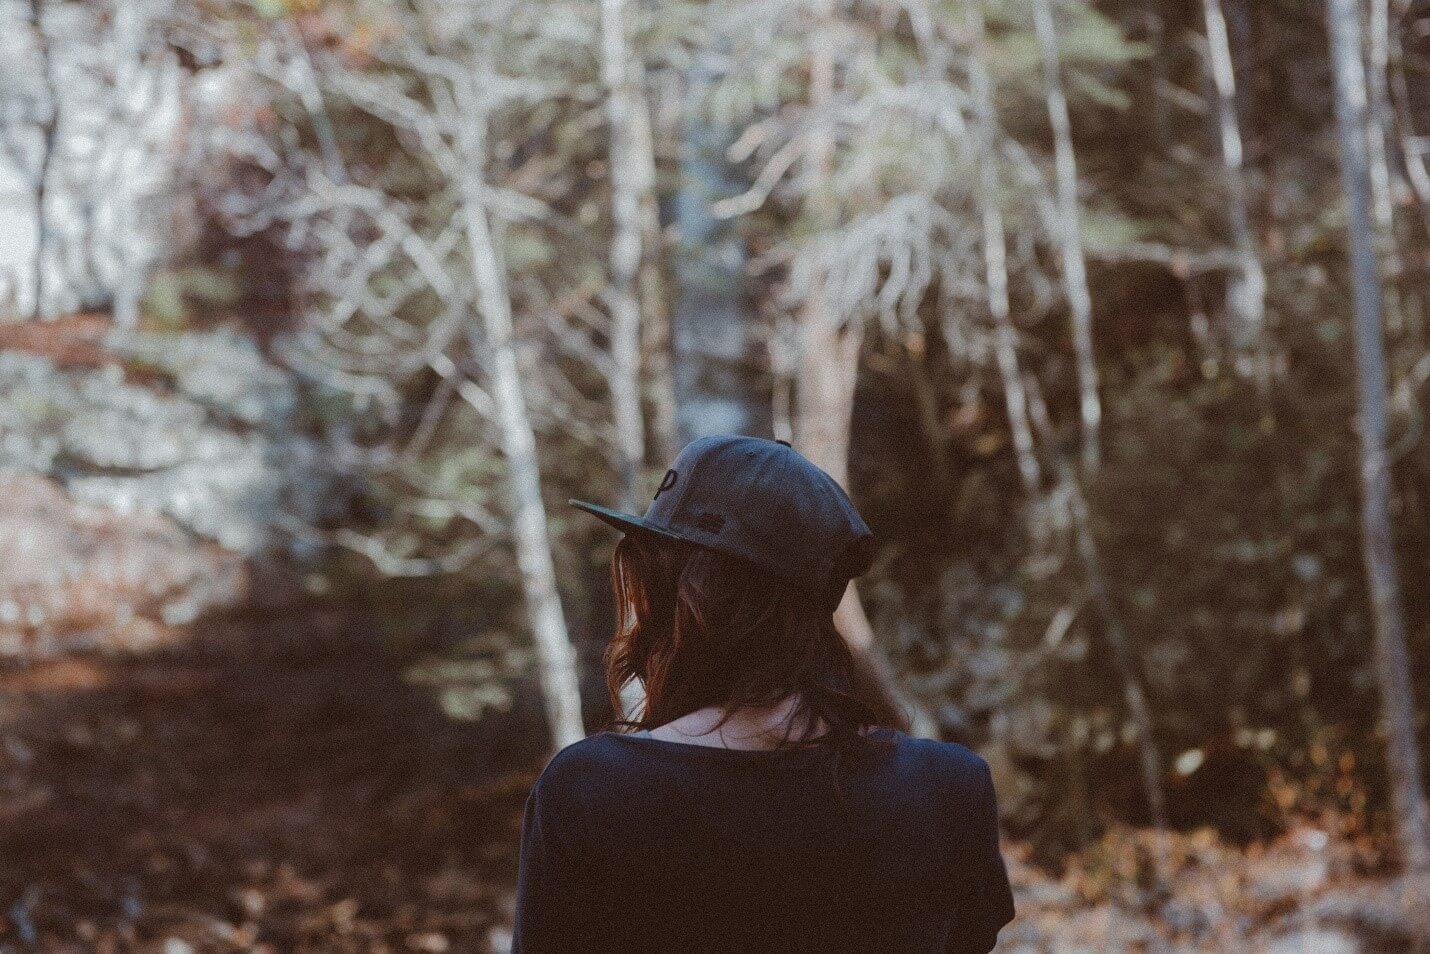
<point>625,522</point>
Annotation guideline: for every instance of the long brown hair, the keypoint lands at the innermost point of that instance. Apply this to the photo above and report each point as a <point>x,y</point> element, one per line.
<point>700,628</point>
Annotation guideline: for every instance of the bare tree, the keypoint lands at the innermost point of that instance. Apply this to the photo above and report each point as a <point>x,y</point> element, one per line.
<point>995,252</point>
<point>97,151</point>
<point>463,93</point>
<point>627,169</point>
<point>658,363</point>
<point>822,352</point>
<point>440,90</point>
<point>1379,117</point>
<point>860,264</point>
<point>1246,292</point>
<point>1069,235</point>
<point>49,130</point>
<point>559,677</point>
<point>632,173</point>
<point>1025,407</point>
<point>1377,535</point>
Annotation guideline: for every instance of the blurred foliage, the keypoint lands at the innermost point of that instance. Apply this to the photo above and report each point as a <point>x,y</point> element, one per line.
<point>171,294</point>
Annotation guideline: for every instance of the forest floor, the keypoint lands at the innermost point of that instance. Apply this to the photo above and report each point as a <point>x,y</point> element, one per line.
<point>277,786</point>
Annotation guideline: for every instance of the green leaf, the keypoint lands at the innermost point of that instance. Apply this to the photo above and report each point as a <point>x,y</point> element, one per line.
<point>211,285</point>
<point>1099,92</point>
<point>1107,231</point>
<point>272,9</point>
<point>163,303</point>
<point>1094,39</point>
<point>525,250</point>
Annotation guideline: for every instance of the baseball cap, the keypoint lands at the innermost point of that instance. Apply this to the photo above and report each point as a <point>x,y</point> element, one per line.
<point>761,501</point>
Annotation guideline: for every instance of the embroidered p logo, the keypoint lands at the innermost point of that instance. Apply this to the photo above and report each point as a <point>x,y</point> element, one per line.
<point>666,482</point>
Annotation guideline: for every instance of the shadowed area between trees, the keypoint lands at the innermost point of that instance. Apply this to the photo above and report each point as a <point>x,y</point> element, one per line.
<point>275,781</point>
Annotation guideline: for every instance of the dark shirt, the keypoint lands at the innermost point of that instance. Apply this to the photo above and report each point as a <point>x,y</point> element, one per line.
<point>632,843</point>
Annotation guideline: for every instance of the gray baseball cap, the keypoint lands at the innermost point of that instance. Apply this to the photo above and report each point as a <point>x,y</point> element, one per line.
<point>763,502</point>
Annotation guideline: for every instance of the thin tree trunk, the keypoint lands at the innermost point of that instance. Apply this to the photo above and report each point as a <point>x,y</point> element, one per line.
<point>1378,121</point>
<point>625,255</point>
<point>49,130</point>
<point>828,365</point>
<point>1377,538</point>
<point>633,149</point>
<point>655,312</point>
<point>825,376</point>
<point>1246,293</point>
<point>556,657</point>
<point>995,258</point>
<point>1070,237</point>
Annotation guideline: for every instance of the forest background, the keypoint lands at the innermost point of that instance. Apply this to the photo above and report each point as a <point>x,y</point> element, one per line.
<point>1111,315</point>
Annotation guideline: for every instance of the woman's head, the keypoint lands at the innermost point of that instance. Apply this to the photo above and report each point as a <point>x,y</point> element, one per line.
<point>700,628</point>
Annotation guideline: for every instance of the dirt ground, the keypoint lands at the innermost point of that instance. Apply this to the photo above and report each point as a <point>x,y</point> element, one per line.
<point>261,787</point>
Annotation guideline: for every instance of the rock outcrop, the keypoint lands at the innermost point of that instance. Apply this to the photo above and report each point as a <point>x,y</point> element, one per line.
<point>140,471</point>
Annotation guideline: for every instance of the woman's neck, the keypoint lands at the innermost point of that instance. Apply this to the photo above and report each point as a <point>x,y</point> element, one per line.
<point>749,727</point>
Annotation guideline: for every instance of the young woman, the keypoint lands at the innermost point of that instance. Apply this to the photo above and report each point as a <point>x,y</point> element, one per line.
<point>754,804</point>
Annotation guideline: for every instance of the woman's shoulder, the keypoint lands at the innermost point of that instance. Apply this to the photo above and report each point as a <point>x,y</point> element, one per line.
<point>608,759</point>
<point>575,763</point>
<point>605,763</point>
<point>952,754</point>
<point>949,764</point>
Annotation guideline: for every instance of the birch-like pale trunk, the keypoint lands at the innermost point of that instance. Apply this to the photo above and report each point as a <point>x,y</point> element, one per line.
<point>556,657</point>
<point>1246,292</point>
<point>49,131</point>
<point>1377,538</point>
<point>658,359</point>
<point>1379,120</point>
<point>131,31</point>
<point>625,256</point>
<point>825,375</point>
<point>1070,236</point>
<point>632,172</point>
<point>995,260</point>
